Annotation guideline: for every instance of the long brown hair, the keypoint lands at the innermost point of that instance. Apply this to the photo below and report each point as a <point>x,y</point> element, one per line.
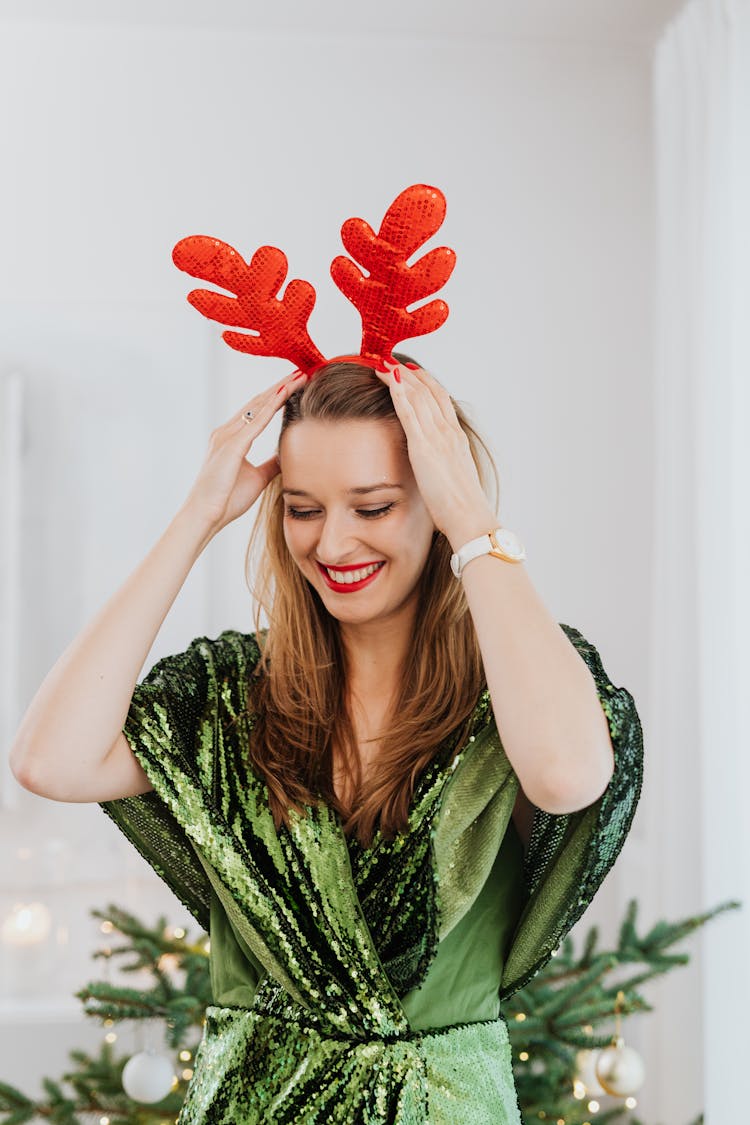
<point>298,692</point>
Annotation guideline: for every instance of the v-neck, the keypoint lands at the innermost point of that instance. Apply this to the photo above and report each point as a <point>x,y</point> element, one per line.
<point>439,764</point>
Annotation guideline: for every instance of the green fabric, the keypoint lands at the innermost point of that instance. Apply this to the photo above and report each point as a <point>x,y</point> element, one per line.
<point>350,983</point>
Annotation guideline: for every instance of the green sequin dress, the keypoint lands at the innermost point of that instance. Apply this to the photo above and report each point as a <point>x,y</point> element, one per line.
<point>359,985</point>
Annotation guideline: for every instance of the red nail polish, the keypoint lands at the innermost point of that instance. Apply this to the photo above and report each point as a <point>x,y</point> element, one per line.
<point>280,389</point>
<point>298,375</point>
<point>397,375</point>
<point>412,366</point>
<point>381,367</point>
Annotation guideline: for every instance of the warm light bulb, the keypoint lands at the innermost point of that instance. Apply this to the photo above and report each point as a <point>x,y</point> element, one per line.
<point>27,924</point>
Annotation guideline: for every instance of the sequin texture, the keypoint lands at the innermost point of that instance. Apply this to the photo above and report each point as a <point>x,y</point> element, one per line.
<point>321,947</point>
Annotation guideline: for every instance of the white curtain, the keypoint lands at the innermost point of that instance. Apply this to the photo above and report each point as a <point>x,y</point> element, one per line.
<point>701,618</point>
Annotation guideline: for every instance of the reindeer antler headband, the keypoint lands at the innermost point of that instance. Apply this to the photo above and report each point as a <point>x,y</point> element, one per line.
<point>383,297</point>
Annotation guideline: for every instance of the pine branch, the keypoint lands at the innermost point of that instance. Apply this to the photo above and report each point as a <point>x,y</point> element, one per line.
<point>556,1014</point>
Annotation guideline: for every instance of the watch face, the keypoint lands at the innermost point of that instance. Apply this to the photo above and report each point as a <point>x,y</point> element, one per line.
<point>509,542</point>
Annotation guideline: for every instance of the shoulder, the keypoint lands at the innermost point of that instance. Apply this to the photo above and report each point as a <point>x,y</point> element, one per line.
<point>229,648</point>
<point>231,655</point>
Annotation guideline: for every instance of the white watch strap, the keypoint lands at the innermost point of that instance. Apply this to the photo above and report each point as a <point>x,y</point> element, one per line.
<point>506,542</point>
<point>472,550</point>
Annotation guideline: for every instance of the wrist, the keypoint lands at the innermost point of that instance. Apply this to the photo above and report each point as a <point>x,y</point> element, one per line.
<point>193,527</point>
<point>470,526</point>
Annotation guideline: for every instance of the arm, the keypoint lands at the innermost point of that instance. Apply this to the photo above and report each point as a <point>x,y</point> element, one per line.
<point>70,746</point>
<point>544,698</point>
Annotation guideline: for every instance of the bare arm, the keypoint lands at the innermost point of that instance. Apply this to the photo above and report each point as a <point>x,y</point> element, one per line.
<point>70,745</point>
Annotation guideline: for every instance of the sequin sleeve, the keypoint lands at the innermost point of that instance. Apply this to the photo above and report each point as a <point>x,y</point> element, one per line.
<point>570,854</point>
<point>176,725</point>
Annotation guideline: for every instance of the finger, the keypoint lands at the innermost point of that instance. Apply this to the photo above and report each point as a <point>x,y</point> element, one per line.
<point>422,399</point>
<point>247,427</point>
<point>292,380</point>
<point>441,395</point>
<point>404,409</point>
<point>420,376</point>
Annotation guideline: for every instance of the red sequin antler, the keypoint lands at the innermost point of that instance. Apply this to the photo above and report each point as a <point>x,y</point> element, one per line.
<point>383,297</point>
<point>281,324</point>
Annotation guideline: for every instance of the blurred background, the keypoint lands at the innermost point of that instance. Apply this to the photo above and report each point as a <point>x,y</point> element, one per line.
<point>596,162</point>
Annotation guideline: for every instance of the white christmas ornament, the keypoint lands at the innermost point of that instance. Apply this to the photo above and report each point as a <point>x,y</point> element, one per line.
<point>148,1077</point>
<point>620,1069</point>
<point>586,1071</point>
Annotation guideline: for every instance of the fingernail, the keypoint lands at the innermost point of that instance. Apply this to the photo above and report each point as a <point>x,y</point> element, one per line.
<point>298,375</point>
<point>280,389</point>
<point>397,375</point>
<point>382,368</point>
<point>412,366</point>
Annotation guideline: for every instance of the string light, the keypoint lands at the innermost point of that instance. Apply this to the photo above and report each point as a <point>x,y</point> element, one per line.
<point>27,924</point>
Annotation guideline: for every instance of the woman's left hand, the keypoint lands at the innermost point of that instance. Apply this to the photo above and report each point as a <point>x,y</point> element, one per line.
<point>440,454</point>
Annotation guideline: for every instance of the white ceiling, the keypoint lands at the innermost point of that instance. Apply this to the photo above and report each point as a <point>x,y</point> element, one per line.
<point>590,21</point>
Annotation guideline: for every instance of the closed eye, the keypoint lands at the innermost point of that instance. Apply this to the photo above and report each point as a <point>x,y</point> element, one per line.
<point>367,513</point>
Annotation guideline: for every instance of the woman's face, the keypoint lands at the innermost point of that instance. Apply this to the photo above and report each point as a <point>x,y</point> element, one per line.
<point>351,504</point>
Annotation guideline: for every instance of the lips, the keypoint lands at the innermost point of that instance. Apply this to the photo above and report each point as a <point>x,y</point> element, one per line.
<point>351,587</point>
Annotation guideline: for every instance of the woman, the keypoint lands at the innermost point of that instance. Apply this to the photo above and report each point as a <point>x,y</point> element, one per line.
<point>390,807</point>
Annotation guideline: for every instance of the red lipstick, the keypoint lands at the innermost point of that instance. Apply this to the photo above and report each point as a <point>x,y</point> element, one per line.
<point>350,587</point>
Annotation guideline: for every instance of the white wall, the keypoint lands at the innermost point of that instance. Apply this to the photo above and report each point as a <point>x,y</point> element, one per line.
<point>122,141</point>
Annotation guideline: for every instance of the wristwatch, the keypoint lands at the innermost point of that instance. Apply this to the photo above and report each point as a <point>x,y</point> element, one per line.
<point>502,543</point>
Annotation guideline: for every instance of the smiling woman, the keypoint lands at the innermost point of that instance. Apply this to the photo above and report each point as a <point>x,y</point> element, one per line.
<point>390,805</point>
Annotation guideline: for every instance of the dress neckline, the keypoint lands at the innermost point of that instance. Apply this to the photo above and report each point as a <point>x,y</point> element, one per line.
<point>440,763</point>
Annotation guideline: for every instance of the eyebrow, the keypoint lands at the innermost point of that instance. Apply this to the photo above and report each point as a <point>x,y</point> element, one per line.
<point>352,491</point>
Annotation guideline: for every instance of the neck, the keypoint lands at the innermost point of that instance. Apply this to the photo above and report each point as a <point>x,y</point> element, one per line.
<point>375,657</point>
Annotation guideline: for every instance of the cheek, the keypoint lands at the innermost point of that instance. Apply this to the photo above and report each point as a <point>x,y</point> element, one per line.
<point>296,536</point>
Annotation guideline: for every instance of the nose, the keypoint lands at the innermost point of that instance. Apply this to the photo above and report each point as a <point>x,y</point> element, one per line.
<point>336,542</point>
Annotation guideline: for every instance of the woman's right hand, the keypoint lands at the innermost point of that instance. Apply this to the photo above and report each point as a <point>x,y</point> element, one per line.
<point>227,484</point>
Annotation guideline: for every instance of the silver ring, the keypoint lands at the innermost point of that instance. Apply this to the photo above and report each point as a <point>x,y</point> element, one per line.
<point>248,416</point>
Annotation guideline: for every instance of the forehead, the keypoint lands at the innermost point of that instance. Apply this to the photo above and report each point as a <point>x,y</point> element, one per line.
<point>318,450</point>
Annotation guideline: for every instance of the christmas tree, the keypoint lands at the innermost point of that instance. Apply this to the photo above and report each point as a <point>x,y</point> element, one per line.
<point>567,1067</point>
